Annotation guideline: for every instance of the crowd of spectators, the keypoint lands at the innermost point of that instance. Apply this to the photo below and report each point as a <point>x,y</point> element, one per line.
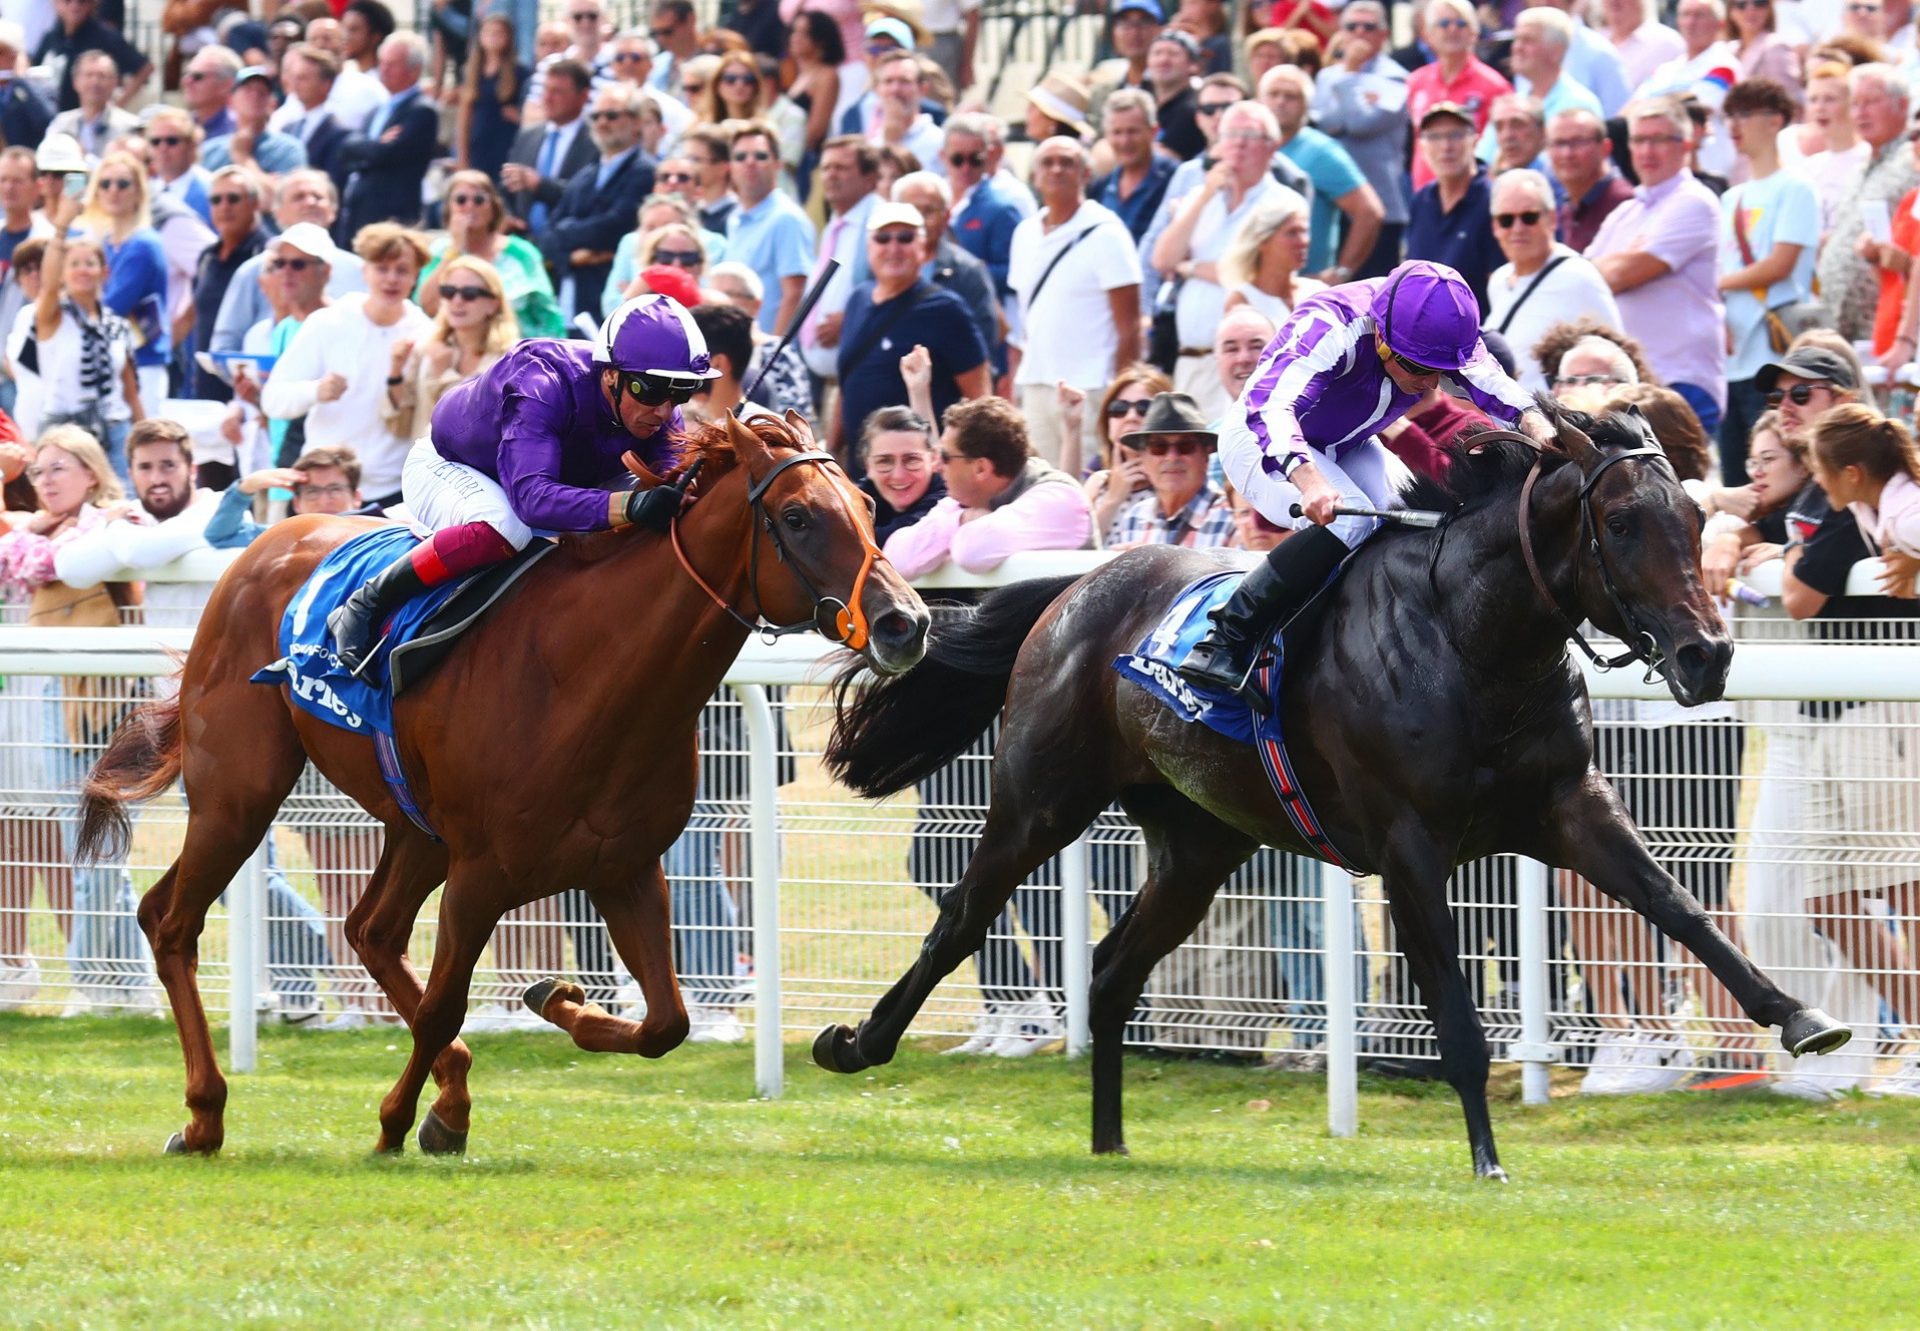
<point>257,267</point>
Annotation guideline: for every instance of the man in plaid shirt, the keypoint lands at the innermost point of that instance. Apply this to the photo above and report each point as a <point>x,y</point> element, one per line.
<point>1183,507</point>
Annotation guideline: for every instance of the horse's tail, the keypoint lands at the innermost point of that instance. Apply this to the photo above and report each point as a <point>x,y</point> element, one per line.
<point>891,732</point>
<point>142,759</point>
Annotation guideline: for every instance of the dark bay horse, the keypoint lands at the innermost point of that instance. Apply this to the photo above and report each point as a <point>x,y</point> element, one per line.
<point>555,748</point>
<point>1433,714</point>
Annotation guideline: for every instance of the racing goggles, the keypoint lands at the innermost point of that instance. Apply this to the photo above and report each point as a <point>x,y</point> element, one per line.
<point>652,390</point>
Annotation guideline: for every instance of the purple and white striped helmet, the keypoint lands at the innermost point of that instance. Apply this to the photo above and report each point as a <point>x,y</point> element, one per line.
<point>654,335</point>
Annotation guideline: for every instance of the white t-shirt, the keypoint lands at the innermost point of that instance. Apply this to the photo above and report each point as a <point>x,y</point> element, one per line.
<point>1069,332</point>
<point>1200,304</point>
<point>340,339</point>
<point>1573,290</point>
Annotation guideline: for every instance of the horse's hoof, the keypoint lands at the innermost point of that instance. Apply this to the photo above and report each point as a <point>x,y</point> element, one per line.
<point>538,995</point>
<point>177,1145</point>
<point>436,1138</point>
<point>835,1050</point>
<point>1493,1174</point>
<point>1117,1148</point>
<point>1811,1031</point>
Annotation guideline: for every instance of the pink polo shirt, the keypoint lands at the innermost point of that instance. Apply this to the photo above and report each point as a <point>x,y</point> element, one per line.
<point>1678,317</point>
<point>1474,91</point>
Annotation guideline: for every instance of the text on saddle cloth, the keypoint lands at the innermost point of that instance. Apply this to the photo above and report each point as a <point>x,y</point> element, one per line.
<point>1154,666</point>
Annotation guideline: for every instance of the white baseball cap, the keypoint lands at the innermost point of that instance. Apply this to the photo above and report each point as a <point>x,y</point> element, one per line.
<point>310,239</point>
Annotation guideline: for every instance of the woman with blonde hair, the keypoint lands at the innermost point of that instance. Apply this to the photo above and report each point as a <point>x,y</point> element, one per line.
<point>473,328</point>
<point>1117,474</point>
<point>676,244</point>
<point>1264,257</point>
<point>476,226</point>
<point>82,350</point>
<point>78,493</point>
<point>118,213</point>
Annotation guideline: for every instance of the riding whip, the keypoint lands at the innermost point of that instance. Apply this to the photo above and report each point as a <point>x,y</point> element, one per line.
<point>807,302</point>
<point>1406,517</point>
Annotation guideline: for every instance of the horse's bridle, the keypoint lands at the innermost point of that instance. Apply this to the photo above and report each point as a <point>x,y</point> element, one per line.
<point>1640,643</point>
<point>833,618</point>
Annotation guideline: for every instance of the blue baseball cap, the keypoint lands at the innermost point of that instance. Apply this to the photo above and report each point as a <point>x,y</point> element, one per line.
<point>1148,7</point>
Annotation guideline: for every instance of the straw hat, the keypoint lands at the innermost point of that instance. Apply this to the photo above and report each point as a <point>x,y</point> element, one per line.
<point>1064,98</point>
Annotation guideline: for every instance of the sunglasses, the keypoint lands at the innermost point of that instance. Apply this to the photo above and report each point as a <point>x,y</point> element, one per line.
<point>1159,448</point>
<point>1359,25</point>
<point>584,17</point>
<point>297,265</point>
<point>1413,367</point>
<point>739,77</point>
<point>1799,394</point>
<point>651,390</point>
<point>128,184</point>
<point>216,200</point>
<point>974,160</point>
<point>1449,24</point>
<point>462,200</point>
<point>1751,4</point>
<point>758,156</point>
<point>599,116</point>
<point>894,237</point>
<point>450,292</point>
<point>628,57</point>
<point>1653,140</point>
<point>1121,406</point>
<point>1506,220</point>
<point>679,258</point>
<point>1211,108</point>
<point>166,141</point>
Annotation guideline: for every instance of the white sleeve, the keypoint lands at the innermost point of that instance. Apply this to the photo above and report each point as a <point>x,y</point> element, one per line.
<point>1119,262</point>
<point>292,388</point>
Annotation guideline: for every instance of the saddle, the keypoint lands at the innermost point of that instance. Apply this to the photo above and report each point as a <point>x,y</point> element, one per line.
<point>1154,665</point>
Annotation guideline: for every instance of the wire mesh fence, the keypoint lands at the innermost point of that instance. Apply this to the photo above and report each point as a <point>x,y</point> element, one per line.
<point>1796,823</point>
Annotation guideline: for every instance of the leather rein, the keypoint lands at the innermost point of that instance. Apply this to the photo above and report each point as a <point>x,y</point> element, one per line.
<point>834,619</point>
<point>1640,645</point>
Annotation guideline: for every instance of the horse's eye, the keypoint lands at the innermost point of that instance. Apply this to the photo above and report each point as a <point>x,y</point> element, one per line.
<point>795,518</point>
<point>1616,525</point>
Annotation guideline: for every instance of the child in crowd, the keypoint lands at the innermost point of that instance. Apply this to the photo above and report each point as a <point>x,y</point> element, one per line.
<point>1871,465</point>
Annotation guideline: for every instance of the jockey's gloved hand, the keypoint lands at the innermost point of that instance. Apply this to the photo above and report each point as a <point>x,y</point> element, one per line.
<point>653,508</point>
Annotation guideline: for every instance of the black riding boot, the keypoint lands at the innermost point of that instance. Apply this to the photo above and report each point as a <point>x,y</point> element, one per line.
<point>355,626</point>
<point>1270,594</point>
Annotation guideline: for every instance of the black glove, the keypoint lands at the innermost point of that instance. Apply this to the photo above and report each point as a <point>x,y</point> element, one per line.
<point>653,508</point>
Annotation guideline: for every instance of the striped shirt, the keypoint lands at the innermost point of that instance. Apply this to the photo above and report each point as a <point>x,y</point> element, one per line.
<point>1321,386</point>
<point>1205,522</point>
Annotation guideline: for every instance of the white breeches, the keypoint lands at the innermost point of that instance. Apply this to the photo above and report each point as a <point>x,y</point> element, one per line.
<point>441,494</point>
<point>1367,475</point>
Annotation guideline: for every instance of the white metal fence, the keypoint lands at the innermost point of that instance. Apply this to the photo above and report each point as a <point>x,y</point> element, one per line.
<point>1792,817</point>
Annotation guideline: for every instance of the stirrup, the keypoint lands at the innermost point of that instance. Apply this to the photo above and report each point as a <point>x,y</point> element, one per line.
<point>359,671</point>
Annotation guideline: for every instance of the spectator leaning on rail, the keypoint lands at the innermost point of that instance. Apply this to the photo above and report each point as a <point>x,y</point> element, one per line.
<point>1659,252</point>
<point>1001,499</point>
<point>1182,507</point>
<point>1542,282</point>
<point>903,472</point>
<point>1076,275</point>
<point>1769,233</point>
<point>1849,281</point>
<point>898,310</point>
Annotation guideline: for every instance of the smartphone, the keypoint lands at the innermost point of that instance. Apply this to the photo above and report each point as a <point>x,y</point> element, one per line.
<point>75,184</point>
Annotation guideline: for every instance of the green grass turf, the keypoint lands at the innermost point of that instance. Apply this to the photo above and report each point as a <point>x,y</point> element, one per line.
<point>610,1192</point>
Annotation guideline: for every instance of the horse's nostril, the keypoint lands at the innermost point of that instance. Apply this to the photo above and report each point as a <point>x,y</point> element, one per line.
<point>897,627</point>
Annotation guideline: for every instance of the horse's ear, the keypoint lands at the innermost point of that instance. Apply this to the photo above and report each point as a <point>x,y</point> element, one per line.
<point>802,430</point>
<point>1572,438</point>
<point>747,446</point>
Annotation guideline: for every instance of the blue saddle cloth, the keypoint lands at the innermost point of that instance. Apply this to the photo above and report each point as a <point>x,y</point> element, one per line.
<point>1154,665</point>
<point>315,678</point>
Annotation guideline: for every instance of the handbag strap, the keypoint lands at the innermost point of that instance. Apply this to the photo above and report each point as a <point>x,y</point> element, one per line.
<point>1538,278</point>
<point>1740,237</point>
<point>1034,295</point>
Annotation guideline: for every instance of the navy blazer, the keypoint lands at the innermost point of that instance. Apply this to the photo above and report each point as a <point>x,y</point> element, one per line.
<point>526,150</point>
<point>384,177</point>
<point>594,217</point>
<point>324,145</point>
<point>984,229</point>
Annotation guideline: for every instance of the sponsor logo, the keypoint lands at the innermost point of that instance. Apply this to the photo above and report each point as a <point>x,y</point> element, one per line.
<point>313,689</point>
<point>1168,682</point>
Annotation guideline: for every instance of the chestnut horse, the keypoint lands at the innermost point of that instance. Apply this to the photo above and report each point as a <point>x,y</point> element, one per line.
<point>555,748</point>
<point>1433,713</point>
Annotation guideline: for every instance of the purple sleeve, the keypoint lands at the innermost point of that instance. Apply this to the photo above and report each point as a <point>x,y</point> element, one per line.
<point>535,416</point>
<point>1315,353</point>
<point>1490,388</point>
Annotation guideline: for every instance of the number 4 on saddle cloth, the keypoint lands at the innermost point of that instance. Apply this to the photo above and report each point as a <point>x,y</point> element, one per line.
<point>418,636</point>
<point>1154,665</point>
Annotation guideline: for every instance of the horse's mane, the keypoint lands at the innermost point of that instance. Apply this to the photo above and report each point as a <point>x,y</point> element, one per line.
<point>1493,470</point>
<point>707,442</point>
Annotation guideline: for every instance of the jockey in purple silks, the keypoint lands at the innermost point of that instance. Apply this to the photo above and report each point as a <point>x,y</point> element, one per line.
<point>1349,362</point>
<point>534,446</point>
